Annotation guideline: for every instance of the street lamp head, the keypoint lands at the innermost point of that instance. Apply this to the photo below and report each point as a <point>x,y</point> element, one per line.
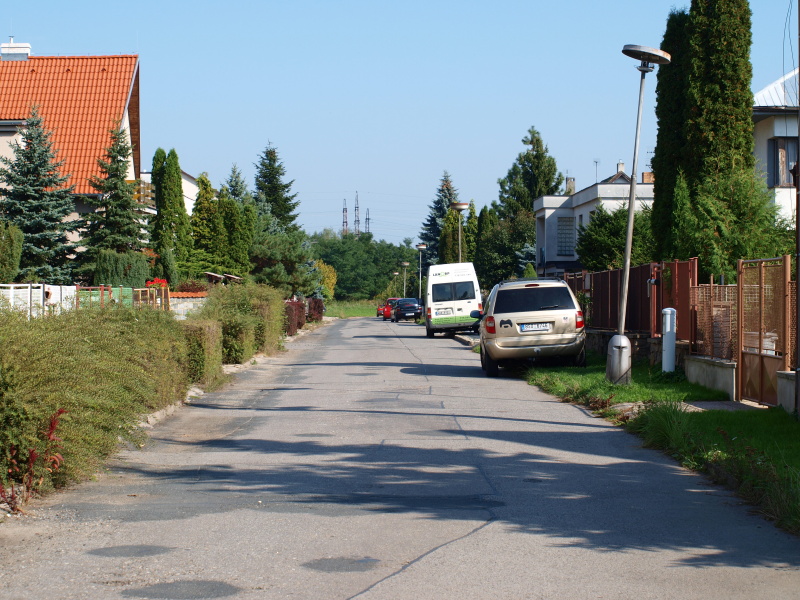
<point>422,246</point>
<point>405,264</point>
<point>459,206</point>
<point>647,56</point>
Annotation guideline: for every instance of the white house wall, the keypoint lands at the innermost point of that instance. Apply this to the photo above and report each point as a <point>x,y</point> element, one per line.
<point>764,130</point>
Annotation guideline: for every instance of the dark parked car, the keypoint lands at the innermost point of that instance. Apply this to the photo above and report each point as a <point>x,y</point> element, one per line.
<point>407,308</point>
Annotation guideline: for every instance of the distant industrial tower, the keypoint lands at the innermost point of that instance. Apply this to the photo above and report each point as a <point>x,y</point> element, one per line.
<point>344,218</point>
<point>357,223</point>
<point>366,223</point>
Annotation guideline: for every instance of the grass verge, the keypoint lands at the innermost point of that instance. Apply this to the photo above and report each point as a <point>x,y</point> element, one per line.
<point>352,308</point>
<point>756,453</point>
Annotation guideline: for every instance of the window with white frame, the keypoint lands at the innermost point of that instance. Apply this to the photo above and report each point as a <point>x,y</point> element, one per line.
<point>781,157</point>
<point>566,236</point>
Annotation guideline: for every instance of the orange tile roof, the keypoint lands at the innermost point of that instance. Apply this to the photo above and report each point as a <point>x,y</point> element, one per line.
<point>80,98</point>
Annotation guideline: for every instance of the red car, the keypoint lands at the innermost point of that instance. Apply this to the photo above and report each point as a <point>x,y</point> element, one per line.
<point>385,310</point>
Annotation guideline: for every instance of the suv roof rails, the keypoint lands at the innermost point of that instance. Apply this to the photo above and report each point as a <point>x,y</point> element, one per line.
<point>522,279</point>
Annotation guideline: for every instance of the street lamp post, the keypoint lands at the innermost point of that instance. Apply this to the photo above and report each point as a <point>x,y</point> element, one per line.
<point>405,264</point>
<point>460,207</point>
<point>420,247</point>
<point>618,364</point>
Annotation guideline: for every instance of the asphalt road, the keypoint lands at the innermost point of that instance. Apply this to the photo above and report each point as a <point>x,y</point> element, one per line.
<point>371,462</point>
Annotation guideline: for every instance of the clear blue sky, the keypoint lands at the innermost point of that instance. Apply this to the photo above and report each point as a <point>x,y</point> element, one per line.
<point>381,98</point>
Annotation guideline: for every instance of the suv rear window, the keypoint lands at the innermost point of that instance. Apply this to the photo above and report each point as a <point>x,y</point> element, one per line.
<point>447,292</point>
<point>533,299</point>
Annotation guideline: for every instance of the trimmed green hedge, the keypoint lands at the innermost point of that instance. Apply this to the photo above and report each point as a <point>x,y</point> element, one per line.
<point>104,367</point>
<point>204,349</point>
<point>251,317</point>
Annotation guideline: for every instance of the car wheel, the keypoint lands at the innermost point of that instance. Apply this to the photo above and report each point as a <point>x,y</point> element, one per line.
<point>384,317</point>
<point>483,363</point>
<point>429,332</point>
<point>491,366</point>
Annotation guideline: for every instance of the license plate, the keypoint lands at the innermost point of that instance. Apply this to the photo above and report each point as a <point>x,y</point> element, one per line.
<point>411,314</point>
<point>535,327</point>
<point>444,312</point>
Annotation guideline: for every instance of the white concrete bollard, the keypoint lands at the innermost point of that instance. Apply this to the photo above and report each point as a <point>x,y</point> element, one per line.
<point>668,321</point>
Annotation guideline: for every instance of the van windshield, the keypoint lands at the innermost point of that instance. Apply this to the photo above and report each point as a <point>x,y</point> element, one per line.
<point>448,292</point>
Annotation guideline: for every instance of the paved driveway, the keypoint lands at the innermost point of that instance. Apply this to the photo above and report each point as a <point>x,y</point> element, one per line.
<point>369,461</point>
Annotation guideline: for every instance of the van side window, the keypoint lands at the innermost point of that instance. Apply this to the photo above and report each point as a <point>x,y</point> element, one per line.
<point>464,290</point>
<point>442,292</point>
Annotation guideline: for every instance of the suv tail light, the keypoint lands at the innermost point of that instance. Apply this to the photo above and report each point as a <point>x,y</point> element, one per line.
<point>428,312</point>
<point>490,328</point>
<point>579,319</point>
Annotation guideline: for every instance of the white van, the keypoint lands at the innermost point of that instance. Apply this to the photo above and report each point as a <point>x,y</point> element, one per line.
<point>452,294</point>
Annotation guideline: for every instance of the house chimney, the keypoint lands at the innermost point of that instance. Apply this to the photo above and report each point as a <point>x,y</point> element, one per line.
<point>12,51</point>
<point>648,177</point>
<point>620,167</point>
<point>570,188</point>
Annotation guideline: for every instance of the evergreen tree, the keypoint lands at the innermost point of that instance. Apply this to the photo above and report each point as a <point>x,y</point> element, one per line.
<point>719,130</point>
<point>533,174</point>
<point>171,228</point>
<point>431,232</point>
<point>271,193</point>
<point>488,223</point>
<point>127,269</point>
<point>281,257</point>
<point>601,243</point>
<point>37,200</point>
<point>114,225</point>
<point>497,256</point>
<point>671,114</point>
<point>448,242</point>
<point>157,181</point>
<point>237,186</point>
<point>237,222</point>
<point>11,239</point>
<point>208,230</point>
<point>470,233</point>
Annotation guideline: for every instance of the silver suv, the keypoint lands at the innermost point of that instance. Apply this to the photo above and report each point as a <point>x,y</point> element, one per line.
<point>530,318</point>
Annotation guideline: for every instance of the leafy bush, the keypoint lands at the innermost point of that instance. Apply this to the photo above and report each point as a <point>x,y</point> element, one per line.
<point>192,285</point>
<point>316,309</point>
<point>11,239</point>
<point>251,317</point>
<point>103,367</point>
<point>295,317</point>
<point>204,350</point>
<point>291,311</point>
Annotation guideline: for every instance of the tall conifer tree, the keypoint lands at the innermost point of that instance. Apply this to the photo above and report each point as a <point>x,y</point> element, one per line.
<point>672,114</point>
<point>114,225</point>
<point>719,130</point>
<point>533,174</point>
<point>37,200</point>
<point>171,229</point>
<point>272,194</point>
<point>431,232</point>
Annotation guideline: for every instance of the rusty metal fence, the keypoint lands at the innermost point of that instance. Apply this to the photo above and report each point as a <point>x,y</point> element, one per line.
<point>651,288</point>
<point>714,326</point>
